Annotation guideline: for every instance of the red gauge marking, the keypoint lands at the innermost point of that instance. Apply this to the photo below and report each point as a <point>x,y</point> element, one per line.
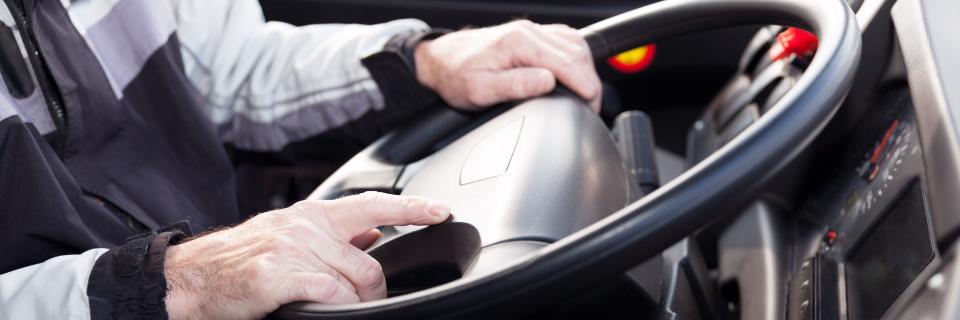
<point>883,143</point>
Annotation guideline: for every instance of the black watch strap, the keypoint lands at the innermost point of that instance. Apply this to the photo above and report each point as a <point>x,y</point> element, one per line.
<point>406,45</point>
<point>127,282</point>
<point>395,72</point>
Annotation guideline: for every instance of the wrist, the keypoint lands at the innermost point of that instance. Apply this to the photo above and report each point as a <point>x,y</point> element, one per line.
<point>424,64</point>
<point>396,72</point>
<point>179,297</point>
<point>129,281</point>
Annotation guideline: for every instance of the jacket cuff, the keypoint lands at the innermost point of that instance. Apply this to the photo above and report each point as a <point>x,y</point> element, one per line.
<point>127,282</point>
<point>395,72</point>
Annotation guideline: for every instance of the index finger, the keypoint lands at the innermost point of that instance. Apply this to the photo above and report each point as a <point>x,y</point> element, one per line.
<point>351,216</point>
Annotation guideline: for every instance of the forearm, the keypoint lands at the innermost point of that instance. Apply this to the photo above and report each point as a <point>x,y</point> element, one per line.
<point>268,84</point>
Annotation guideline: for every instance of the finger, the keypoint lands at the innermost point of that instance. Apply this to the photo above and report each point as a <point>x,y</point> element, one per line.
<point>512,84</point>
<point>354,269</point>
<point>351,216</point>
<point>308,258</point>
<point>557,38</point>
<point>318,287</point>
<point>581,51</point>
<point>322,267</point>
<point>573,36</point>
<point>567,33</point>
<point>363,271</point>
<point>366,239</point>
<point>578,52</point>
<point>566,67</point>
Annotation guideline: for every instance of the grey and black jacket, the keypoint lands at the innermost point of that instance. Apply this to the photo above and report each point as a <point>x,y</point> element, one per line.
<point>114,117</point>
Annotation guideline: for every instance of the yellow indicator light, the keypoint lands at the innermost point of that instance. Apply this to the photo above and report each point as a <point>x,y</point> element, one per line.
<point>634,60</point>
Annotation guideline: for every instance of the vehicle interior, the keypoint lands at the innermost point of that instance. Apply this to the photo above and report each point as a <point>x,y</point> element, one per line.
<point>741,172</point>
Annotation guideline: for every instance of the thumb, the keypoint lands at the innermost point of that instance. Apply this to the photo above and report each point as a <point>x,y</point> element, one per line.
<point>515,84</point>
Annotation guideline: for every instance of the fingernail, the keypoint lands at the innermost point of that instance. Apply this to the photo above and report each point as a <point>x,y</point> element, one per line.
<point>439,209</point>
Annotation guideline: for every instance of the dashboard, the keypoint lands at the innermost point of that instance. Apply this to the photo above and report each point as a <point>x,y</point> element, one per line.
<point>867,232</point>
<point>866,217</point>
<point>864,226</point>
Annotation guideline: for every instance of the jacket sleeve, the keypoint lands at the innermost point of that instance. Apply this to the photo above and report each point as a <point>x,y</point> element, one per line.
<point>54,289</point>
<point>126,282</point>
<point>269,84</point>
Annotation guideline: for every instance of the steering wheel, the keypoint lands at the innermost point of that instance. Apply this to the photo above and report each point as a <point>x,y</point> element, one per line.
<point>543,205</point>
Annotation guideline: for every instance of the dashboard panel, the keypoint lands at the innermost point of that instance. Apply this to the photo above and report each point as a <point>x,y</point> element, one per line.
<point>888,258</point>
<point>866,233</point>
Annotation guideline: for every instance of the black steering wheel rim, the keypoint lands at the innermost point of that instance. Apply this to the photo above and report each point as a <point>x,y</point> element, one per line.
<point>724,180</point>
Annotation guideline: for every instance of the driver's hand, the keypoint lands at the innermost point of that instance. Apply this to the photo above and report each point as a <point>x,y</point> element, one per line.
<point>475,68</point>
<point>310,251</point>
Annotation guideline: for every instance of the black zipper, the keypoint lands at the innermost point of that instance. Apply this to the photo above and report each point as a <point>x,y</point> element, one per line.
<point>51,94</point>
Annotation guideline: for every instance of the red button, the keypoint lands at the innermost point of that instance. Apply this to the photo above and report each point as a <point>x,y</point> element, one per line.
<point>793,41</point>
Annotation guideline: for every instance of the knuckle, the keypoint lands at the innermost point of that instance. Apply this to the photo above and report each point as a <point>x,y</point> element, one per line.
<point>302,290</point>
<point>260,270</point>
<point>344,250</point>
<point>278,219</point>
<point>523,87</point>
<point>583,53</point>
<point>338,279</point>
<point>369,273</point>
<point>369,196</point>
<point>266,218</point>
<point>300,205</point>
<point>368,201</point>
<point>565,31</point>
<point>569,30</point>
<point>305,206</point>
<point>411,206</point>
<point>270,245</point>
<point>514,36</point>
<point>287,245</point>
<point>524,23</point>
<point>281,223</point>
<point>543,55</point>
<point>297,225</point>
<point>325,287</point>
<point>475,96</point>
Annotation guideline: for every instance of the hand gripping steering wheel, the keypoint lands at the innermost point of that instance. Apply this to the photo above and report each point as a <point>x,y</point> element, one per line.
<point>541,208</point>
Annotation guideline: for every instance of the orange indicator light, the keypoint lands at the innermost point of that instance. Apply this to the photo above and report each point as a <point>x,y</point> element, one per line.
<point>634,60</point>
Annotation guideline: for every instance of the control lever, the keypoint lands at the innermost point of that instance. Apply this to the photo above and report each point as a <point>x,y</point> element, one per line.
<point>633,133</point>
